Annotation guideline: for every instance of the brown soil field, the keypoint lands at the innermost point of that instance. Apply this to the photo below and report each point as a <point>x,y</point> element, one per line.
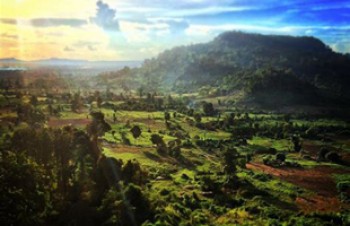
<point>63,122</point>
<point>318,180</point>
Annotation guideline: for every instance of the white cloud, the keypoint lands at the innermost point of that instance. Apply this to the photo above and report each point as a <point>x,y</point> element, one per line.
<point>136,32</point>
<point>206,11</point>
<point>341,46</point>
<point>195,30</point>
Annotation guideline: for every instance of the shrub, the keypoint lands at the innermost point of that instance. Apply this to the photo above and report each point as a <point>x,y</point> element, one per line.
<point>267,160</point>
<point>333,157</point>
<point>262,177</point>
<point>270,151</point>
<point>164,192</point>
<point>343,186</point>
<point>208,109</point>
<point>187,144</point>
<point>280,157</point>
<point>136,131</point>
<point>197,117</point>
<point>126,207</point>
<point>162,150</point>
<point>321,155</point>
<point>175,152</point>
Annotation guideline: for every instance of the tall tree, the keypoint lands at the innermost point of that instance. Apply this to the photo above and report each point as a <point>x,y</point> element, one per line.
<point>98,127</point>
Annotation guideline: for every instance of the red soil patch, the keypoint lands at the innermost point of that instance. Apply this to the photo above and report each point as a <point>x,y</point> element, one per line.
<point>6,110</point>
<point>8,119</point>
<point>319,203</point>
<point>64,122</point>
<point>346,158</point>
<point>318,180</point>
<point>312,149</point>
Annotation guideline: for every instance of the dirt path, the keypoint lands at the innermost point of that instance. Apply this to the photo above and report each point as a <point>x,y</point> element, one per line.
<point>318,180</point>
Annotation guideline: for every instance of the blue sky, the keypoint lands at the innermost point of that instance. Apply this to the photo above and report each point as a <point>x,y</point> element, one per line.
<point>139,29</point>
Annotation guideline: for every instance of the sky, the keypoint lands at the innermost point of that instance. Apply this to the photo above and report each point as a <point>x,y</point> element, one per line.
<point>140,29</point>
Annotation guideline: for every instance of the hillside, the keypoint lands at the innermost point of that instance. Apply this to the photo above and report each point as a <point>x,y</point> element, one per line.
<point>234,61</point>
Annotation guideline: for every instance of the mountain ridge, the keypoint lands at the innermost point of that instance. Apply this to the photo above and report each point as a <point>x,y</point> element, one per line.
<point>234,60</point>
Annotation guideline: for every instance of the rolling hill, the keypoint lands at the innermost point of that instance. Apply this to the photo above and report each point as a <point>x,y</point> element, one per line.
<point>302,69</point>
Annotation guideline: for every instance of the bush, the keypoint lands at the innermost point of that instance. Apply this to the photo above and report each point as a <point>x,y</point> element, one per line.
<point>162,150</point>
<point>126,207</point>
<point>208,109</point>
<point>175,152</point>
<point>333,157</point>
<point>307,157</point>
<point>164,192</point>
<point>343,186</point>
<point>321,155</point>
<point>187,144</point>
<point>270,151</point>
<point>197,117</point>
<point>267,160</point>
<point>280,157</point>
<point>262,177</point>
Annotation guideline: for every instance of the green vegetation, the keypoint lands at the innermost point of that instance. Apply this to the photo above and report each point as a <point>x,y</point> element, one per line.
<point>203,143</point>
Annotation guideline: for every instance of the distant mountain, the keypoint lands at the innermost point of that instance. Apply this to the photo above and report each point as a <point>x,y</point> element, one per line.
<point>63,60</point>
<point>236,61</point>
<point>60,61</point>
<point>96,66</point>
<point>9,60</point>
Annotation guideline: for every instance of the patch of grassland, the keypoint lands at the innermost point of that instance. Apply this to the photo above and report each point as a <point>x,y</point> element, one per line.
<point>276,187</point>
<point>6,114</point>
<point>282,144</point>
<point>341,177</point>
<point>73,115</point>
<point>125,156</point>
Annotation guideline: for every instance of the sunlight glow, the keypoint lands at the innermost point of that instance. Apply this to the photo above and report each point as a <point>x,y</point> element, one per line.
<point>119,28</point>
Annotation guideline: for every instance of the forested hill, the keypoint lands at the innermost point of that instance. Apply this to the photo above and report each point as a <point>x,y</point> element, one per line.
<point>259,65</point>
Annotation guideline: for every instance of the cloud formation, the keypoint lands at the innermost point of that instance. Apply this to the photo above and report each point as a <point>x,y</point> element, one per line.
<point>84,44</point>
<point>106,17</point>
<point>53,22</point>
<point>68,49</point>
<point>138,29</point>
<point>175,26</point>
<point>91,48</point>
<point>10,36</point>
<point>8,21</point>
<point>46,22</point>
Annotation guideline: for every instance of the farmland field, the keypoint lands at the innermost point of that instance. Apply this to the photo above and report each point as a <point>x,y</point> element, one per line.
<point>238,167</point>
